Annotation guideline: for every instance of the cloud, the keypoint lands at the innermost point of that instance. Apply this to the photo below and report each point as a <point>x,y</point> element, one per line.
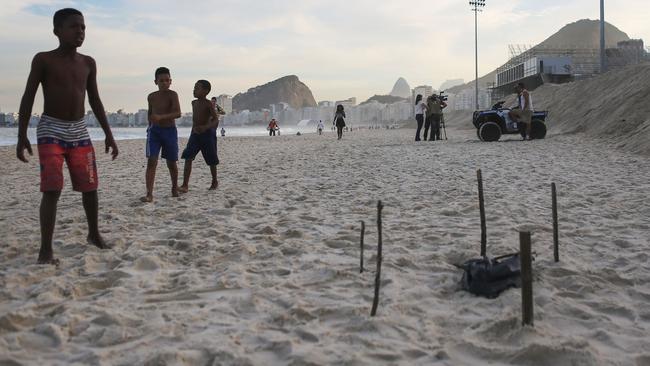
<point>339,48</point>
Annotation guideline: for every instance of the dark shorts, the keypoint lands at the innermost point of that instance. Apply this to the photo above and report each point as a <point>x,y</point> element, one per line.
<point>162,138</point>
<point>206,143</point>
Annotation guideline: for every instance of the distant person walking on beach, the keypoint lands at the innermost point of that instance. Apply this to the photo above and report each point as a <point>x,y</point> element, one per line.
<point>420,110</point>
<point>203,137</point>
<point>65,77</point>
<point>223,132</point>
<point>273,126</point>
<point>339,120</point>
<point>524,113</point>
<point>164,107</point>
<point>220,111</point>
<point>320,127</point>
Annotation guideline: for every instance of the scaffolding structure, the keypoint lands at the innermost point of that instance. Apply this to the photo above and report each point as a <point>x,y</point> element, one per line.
<point>585,60</point>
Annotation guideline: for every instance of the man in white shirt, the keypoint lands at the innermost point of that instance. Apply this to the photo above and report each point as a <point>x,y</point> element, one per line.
<point>525,112</point>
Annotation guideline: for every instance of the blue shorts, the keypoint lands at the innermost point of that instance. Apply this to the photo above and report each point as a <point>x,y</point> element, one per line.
<point>206,143</point>
<point>165,138</point>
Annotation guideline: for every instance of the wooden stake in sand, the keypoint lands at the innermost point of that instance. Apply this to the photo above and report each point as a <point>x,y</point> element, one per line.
<point>556,240</point>
<point>481,206</point>
<point>375,301</point>
<point>363,231</point>
<point>526,278</point>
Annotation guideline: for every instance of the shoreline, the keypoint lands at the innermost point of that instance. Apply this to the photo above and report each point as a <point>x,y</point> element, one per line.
<point>139,133</point>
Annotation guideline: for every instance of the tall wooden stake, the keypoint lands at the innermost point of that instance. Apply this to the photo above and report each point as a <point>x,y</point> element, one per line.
<point>363,231</point>
<point>526,279</point>
<point>556,236</point>
<point>375,301</point>
<point>481,206</point>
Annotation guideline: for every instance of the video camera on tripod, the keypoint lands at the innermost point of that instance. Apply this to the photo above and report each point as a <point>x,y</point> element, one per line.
<point>442,96</point>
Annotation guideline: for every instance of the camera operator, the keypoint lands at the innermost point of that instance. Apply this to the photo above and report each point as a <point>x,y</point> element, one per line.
<point>435,105</point>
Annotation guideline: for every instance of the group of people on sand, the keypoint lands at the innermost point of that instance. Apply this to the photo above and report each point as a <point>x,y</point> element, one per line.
<point>429,113</point>
<point>273,127</point>
<point>338,122</point>
<point>162,136</point>
<point>66,76</point>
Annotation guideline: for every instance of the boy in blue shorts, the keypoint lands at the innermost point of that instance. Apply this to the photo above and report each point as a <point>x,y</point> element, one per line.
<point>164,108</point>
<point>203,137</point>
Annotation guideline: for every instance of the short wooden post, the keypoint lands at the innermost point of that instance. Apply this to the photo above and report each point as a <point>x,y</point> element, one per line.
<point>363,231</point>
<point>481,206</point>
<point>375,301</point>
<point>556,240</point>
<point>526,278</point>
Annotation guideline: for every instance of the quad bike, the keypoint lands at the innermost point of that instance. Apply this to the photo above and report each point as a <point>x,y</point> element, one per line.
<point>491,124</point>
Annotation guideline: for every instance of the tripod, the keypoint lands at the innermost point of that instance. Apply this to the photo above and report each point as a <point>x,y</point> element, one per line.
<point>442,124</point>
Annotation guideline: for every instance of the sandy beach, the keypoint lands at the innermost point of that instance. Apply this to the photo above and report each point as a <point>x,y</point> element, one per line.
<point>265,271</point>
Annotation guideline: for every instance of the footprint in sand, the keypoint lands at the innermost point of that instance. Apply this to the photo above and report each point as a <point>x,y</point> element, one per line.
<point>266,230</point>
<point>306,336</point>
<point>147,263</point>
<point>336,244</point>
<point>44,336</point>
<point>14,322</point>
<point>294,234</point>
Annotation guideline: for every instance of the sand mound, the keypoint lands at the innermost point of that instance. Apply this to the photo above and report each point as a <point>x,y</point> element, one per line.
<point>613,106</point>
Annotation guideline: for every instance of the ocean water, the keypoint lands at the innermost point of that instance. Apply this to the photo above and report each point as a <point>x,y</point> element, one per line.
<point>8,136</point>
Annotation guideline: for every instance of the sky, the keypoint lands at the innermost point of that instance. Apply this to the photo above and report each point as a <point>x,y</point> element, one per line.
<point>340,49</point>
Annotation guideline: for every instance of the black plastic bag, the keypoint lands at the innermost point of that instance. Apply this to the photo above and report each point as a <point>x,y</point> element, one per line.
<point>489,277</point>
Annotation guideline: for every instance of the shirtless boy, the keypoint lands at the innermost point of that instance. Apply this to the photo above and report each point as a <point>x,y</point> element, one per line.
<point>65,76</point>
<point>162,134</point>
<point>203,137</point>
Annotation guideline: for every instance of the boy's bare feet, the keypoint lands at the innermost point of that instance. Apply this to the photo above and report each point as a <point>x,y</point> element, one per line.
<point>214,186</point>
<point>147,198</point>
<point>175,192</point>
<point>97,241</point>
<point>52,261</point>
<point>183,189</point>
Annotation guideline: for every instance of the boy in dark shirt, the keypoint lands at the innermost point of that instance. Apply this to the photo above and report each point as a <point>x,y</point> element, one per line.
<point>65,76</point>
<point>203,137</point>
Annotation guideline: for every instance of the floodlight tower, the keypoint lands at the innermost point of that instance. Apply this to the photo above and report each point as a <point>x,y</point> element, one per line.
<point>603,56</point>
<point>476,7</point>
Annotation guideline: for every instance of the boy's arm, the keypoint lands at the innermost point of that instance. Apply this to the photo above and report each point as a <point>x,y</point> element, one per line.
<point>26,104</point>
<point>98,108</point>
<point>149,110</point>
<point>214,121</point>
<point>175,111</point>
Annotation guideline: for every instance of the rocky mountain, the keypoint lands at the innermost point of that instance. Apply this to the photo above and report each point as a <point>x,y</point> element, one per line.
<point>584,33</point>
<point>451,83</point>
<point>384,99</point>
<point>288,89</point>
<point>401,89</point>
